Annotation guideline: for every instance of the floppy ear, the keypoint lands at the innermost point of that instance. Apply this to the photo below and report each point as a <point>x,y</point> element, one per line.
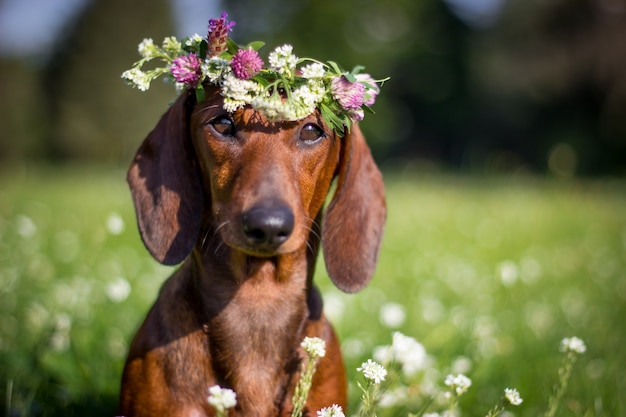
<point>353,224</point>
<point>166,187</point>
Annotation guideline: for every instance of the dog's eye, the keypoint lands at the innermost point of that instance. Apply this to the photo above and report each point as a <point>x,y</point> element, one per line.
<point>223,125</point>
<point>311,133</point>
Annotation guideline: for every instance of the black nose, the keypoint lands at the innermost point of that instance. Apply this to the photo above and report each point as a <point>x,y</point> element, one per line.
<point>266,227</point>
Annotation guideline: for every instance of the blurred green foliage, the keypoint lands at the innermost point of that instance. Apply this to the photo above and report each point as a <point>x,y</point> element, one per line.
<point>490,273</point>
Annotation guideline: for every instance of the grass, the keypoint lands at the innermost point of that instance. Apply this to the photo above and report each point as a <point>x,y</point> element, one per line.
<point>487,274</point>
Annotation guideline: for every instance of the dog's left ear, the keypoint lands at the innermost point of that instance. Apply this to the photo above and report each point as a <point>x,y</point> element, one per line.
<point>166,186</point>
<point>353,224</point>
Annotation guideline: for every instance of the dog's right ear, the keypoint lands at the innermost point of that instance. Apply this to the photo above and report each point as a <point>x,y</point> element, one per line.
<point>166,187</point>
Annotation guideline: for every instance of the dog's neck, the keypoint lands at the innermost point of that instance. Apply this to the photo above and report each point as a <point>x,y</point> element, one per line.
<point>254,318</point>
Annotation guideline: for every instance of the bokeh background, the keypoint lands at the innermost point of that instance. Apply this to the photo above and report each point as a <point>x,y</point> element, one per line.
<point>501,134</point>
<point>476,85</point>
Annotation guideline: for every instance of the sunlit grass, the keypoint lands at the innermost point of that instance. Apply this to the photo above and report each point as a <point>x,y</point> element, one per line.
<point>489,275</point>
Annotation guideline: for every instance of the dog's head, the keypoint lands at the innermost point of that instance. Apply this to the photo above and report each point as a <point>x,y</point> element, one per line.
<point>259,185</point>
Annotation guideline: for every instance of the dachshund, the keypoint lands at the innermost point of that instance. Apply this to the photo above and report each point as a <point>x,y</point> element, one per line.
<point>239,201</point>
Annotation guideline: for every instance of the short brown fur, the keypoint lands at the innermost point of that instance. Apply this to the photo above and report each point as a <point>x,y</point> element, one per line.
<point>235,313</point>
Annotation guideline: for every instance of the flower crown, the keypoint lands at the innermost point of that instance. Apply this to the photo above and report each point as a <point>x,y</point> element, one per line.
<point>285,90</point>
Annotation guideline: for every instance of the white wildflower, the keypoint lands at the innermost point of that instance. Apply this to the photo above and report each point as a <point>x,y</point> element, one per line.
<point>573,344</point>
<point>222,398</point>
<point>373,371</point>
<point>194,40</point>
<point>118,290</point>
<point>137,78</point>
<point>394,397</point>
<point>458,383</point>
<point>309,95</point>
<point>332,411</point>
<point>172,45</point>
<point>147,49</point>
<point>314,346</point>
<point>314,70</point>
<point>115,224</point>
<point>282,60</point>
<point>409,353</point>
<point>215,68</point>
<point>392,315</point>
<point>512,396</point>
<point>241,90</point>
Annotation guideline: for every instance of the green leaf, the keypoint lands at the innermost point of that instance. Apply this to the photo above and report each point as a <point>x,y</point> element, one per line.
<point>350,77</point>
<point>335,67</point>
<point>200,94</point>
<point>256,45</point>
<point>204,47</point>
<point>357,69</point>
<point>232,46</point>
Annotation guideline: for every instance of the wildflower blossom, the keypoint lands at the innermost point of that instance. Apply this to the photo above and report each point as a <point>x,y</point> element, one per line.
<point>314,346</point>
<point>409,353</point>
<point>171,45</point>
<point>458,383</point>
<point>137,78</point>
<point>573,344</point>
<point>314,70</point>
<point>147,48</point>
<point>371,88</point>
<point>350,95</point>
<point>246,63</point>
<point>373,371</point>
<point>332,411</point>
<point>283,61</point>
<point>218,34</point>
<point>222,398</point>
<point>512,396</point>
<point>275,90</point>
<point>186,69</point>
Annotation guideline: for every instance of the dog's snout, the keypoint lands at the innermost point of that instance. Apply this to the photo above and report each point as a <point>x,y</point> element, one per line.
<point>267,227</point>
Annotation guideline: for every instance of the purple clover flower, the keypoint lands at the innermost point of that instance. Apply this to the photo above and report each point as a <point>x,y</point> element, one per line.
<point>218,35</point>
<point>350,96</point>
<point>186,69</point>
<point>246,63</point>
<point>371,90</point>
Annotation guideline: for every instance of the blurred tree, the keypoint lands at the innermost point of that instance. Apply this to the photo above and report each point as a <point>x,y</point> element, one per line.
<point>90,112</point>
<point>419,44</point>
<point>558,71</point>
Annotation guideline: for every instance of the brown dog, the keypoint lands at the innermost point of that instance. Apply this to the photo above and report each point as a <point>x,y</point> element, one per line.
<point>239,200</point>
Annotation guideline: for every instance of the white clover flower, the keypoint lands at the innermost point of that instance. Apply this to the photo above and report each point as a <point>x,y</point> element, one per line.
<point>172,45</point>
<point>573,344</point>
<point>115,224</point>
<point>373,371</point>
<point>314,346</point>
<point>282,60</point>
<point>147,49</point>
<point>332,411</point>
<point>194,40</point>
<point>393,397</point>
<point>118,290</point>
<point>231,105</point>
<point>215,68</point>
<point>512,396</point>
<point>237,93</point>
<point>458,383</point>
<point>392,315</point>
<point>222,398</point>
<point>409,353</point>
<point>314,70</point>
<point>137,78</point>
<point>310,94</point>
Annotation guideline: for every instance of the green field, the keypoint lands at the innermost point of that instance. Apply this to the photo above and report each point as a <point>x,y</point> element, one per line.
<point>488,274</point>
